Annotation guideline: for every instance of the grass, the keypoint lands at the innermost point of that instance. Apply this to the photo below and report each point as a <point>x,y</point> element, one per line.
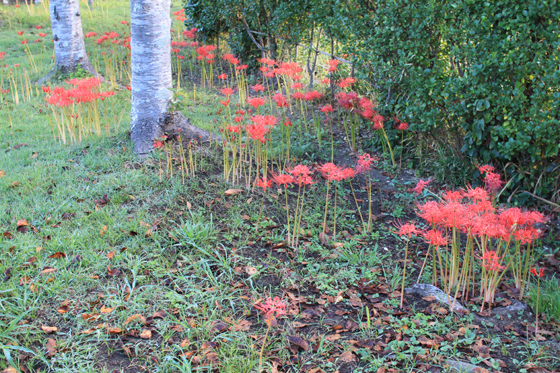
<point>106,240</point>
<point>549,297</point>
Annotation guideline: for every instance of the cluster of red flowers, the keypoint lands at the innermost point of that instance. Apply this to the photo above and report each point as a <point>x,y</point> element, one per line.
<point>83,90</point>
<point>190,34</point>
<point>472,212</point>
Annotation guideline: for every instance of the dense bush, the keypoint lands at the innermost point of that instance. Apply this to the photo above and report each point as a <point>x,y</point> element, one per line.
<point>479,79</point>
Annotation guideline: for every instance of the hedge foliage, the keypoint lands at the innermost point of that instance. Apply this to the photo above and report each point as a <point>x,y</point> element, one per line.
<point>480,78</point>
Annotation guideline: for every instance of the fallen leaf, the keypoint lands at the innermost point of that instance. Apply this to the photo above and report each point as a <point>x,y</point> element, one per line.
<point>251,270</point>
<point>233,192</point>
<point>159,315</point>
<point>189,206</point>
<point>134,317</point>
<point>115,330</point>
<point>21,222</point>
<point>111,255</point>
<point>332,337</point>
<point>2,173</point>
<point>429,298</point>
<point>57,255</point>
<point>14,184</point>
<point>106,309</point>
<point>49,329</point>
<point>298,341</point>
<point>103,231</point>
<point>146,334</point>
<point>47,270</point>
<point>9,369</point>
<point>242,325</point>
<point>51,344</point>
<point>148,233</point>
<point>113,271</point>
<point>347,356</point>
<point>63,307</point>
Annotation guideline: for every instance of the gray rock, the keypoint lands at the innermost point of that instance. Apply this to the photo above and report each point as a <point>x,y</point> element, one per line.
<point>425,290</point>
<point>511,309</point>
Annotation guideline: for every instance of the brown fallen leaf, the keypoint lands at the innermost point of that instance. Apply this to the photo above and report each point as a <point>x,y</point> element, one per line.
<point>115,330</point>
<point>2,173</point>
<point>103,231</point>
<point>113,271</point>
<point>148,233</point>
<point>111,255</point>
<point>9,369</point>
<point>159,314</point>
<point>47,270</point>
<point>298,341</point>
<point>233,192</point>
<point>332,337</point>
<point>49,329</point>
<point>429,298</point>
<point>134,317</point>
<point>57,255</point>
<point>347,356</point>
<point>106,309</point>
<point>51,344</point>
<point>146,334</point>
<point>21,222</point>
<point>63,307</point>
<point>251,270</point>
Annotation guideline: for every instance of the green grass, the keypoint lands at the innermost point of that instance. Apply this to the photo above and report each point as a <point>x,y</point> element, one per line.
<point>157,244</point>
<point>549,297</point>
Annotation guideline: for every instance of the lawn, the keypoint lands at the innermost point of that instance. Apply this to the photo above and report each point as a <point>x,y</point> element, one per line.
<point>110,264</point>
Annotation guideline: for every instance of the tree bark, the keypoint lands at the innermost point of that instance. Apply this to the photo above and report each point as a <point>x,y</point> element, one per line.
<point>150,46</point>
<point>68,37</point>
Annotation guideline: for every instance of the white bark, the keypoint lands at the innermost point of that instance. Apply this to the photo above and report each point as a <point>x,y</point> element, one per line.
<point>68,36</point>
<point>150,45</point>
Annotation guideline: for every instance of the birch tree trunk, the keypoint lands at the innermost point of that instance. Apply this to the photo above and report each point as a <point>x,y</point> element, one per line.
<point>68,37</point>
<point>150,45</point>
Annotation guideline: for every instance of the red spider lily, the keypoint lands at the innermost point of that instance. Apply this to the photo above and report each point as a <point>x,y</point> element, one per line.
<point>265,183</point>
<point>190,34</point>
<point>378,122</point>
<point>435,238</point>
<point>256,102</point>
<point>406,230</point>
<point>2,54</point>
<point>272,308</point>
<point>402,126</point>
<point>301,174</point>
<point>346,82</point>
<point>234,129</point>
<point>364,163</point>
<point>420,186</point>
<point>297,86</point>
<point>258,87</point>
<point>238,119</point>
<point>42,34</point>
<point>326,81</point>
<point>222,76</point>
<point>158,144</point>
<point>38,27</point>
<point>333,65</point>
<point>332,172</point>
<point>24,41</point>
<point>491,261</point>
<point>540,273</point>
<point>327,109</point>
<point>20,33</point>
<point>89,34</point>
<point>280,100</point>
<point>298,96</point>
<point>257,132</point>
<point>313,95</point>
<point>287,123</point>
<point>227,91</point>
<point>283,179</point>
<point>265,120</point>
<point>225,103</point>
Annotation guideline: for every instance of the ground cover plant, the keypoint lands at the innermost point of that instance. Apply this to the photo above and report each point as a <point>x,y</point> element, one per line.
<point>284,244</point>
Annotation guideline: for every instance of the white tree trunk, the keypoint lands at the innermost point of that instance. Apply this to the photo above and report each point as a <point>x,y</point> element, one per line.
<point>150,46</point>
<point>68,36</point>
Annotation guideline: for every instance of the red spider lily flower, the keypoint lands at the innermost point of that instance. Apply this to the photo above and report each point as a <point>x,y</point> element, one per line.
<point>227,91</point>
<point>327,109</point>
<point>42,34</point>
<point>272,308</point>
<point>241,67</point>
<point>222,76</point>
<point>46,89</point>
<point>20,33</point>
<point>24,41</point>
<point>346,82</point>
<point>17,65</point>
<point>124,22</point>
<point>540,273</point>
<point>258,132</point>
<point>435,238</point>
<point>491,261</point>
<point>298,96</point>
<point>333,65</point>
<point>453,195</point>
<point>190,34</point>
<point>225,103</point>
<point>17,6</point>
<point>348,173</point>
<point>331,172</point>
<point>89,34</point>
<point>283,179</point>
<point>280,100</point>
<point>263,69</point>
<point>326,81</point>
<point>476,194</point>
<point>431,212</point>
<point>287,123</point>
<point>179,57</point>
<point>38,27</point>
<point>297,86</point>
<point>238,119</point>
<point>270,74</point>
<point>258,87</point>
<point>313,95</point>
<point>2,54</point>
<point>378,122</point>
<point>364,163</point>
<point>256,102</point>
<point>158,144</point>
<point>301,175</point>
<point>239,111</point>
<point>233,129</point>
<point>406,230</point>
<point>265,120</point>
<point>402,126</point>
<point>526,235</point>
<point>420,186</point>
<point>264,183</point>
